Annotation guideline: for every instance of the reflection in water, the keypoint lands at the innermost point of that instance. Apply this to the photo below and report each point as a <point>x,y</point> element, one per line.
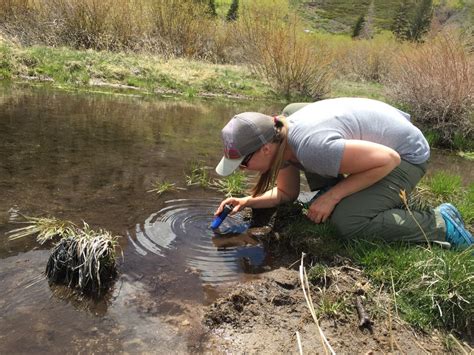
<point>182,229</point>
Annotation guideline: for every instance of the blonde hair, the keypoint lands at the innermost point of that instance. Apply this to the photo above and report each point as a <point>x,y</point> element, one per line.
<point>267,180</point>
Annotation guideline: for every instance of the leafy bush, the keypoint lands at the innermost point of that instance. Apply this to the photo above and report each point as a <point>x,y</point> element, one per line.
<point>436,81</point>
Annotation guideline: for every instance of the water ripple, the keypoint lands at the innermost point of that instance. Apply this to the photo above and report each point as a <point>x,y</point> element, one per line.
<point>180,231</point>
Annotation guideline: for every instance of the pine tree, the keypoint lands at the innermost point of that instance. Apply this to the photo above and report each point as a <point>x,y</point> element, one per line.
<point>401,24</point>
<point>232,14</point>
<point>422,20</point>
<point>358,26</point>
<point>212,8</point>
<point>367,28</point>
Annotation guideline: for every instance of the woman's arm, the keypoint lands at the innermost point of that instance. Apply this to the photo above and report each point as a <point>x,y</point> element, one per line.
<point>287,189</point>
<point>366,163</point>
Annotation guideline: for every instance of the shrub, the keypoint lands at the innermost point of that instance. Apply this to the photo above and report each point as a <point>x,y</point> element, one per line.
<point>275,47</point>
<point>435,80</point>
<point>366,60</point>
<point>81,24</point>
<point>182,28</point>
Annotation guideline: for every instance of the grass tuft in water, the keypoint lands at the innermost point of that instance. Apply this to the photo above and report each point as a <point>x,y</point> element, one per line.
<point>199,175</point>
<point>83,259</point>
<point>45,229</point>
<point>232,185</point>
<point>160,187</point>
<point>467,155</point>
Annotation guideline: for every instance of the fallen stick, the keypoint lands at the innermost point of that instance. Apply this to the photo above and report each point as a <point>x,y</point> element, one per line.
<point>298,338</point>
<point>364,319</point>
<point>309,302</point>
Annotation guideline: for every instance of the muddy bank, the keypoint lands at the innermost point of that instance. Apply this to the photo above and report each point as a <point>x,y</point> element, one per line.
<point>263,317</point>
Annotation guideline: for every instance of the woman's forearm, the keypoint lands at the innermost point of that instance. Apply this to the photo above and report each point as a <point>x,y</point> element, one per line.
<point>271,198</point>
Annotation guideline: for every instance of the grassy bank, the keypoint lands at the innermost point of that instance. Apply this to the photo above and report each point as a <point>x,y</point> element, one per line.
<point>137,73</point>
<point>431,287</point>
<point>144,74</point>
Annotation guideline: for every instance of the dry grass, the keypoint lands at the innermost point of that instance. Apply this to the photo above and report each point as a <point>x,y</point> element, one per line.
<point>436,81</point>
<point>366,60</point>
<point>168,27</point>
<point>44,228</point>
<point>276,47</point>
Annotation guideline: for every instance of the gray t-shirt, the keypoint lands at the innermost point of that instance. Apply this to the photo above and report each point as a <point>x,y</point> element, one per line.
<point>317,132</point>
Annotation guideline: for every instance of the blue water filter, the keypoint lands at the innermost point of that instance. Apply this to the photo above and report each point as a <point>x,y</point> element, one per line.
<point>221,216</point>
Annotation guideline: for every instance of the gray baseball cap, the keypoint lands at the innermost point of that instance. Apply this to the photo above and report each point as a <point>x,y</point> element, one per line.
<point>245,133</point>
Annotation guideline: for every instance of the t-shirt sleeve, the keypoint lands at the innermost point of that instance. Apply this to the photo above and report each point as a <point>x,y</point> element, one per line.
<point>322,153</point>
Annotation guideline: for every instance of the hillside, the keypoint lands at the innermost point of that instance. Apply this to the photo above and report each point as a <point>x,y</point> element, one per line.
<point>339,16</point>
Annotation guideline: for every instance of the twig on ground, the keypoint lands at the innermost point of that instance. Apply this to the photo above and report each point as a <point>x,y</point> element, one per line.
<point>293,264</point>
<point>364,319</point>
<point>459,344</point>
<point>394,294</point>
<point>298,338</point>
<point>309,302</point>
<point>418,344</point>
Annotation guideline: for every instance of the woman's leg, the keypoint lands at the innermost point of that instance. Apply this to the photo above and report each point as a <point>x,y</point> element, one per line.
<point>376,210</point>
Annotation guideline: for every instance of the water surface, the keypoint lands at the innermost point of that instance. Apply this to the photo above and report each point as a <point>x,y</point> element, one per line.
<point>93,158</point>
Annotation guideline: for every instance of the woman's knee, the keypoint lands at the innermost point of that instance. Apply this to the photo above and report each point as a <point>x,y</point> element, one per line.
<point>348,225</point>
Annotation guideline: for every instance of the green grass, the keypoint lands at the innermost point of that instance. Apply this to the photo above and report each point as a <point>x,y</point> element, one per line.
<point>160,187</point>
<point>198,175</point>
<point>232,185</point>
<point>444,184</point>
<point>332,307</point>
<point>433,137</point>
<point>432,288</point>
<point>466,205</point>
<point>147,74</point>
<point>371,90</point>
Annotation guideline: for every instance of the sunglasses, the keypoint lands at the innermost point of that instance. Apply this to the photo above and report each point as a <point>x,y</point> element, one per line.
<point>246,160</point>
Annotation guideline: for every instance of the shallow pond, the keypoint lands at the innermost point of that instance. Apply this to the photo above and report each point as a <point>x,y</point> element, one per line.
<point>93,157</point>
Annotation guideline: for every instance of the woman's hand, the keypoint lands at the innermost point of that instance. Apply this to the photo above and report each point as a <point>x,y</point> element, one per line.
<point>321,209</point>
<point>238,203</point>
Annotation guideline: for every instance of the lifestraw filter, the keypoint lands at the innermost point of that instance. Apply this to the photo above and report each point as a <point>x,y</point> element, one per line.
<point>221,216</point>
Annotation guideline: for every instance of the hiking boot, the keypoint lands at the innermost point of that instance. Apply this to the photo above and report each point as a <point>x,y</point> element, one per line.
<point>456,232</point>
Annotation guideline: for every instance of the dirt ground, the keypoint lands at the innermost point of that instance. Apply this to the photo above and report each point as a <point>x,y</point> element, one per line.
<point>263,317</point>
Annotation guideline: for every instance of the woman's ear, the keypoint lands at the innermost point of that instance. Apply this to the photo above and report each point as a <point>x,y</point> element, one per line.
<point>268,149</point>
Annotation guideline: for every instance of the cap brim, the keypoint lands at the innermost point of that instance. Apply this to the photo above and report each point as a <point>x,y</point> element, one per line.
<point>228,166</point>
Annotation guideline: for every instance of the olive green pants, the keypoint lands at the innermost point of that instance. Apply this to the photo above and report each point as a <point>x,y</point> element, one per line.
<point>377,211</point>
